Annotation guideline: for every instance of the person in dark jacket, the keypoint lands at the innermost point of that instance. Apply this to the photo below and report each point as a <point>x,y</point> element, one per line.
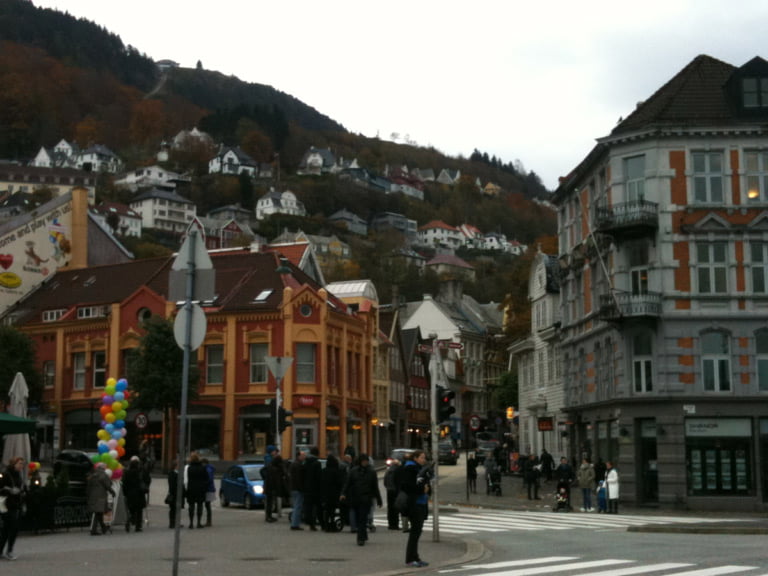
<point>296,480</point>
<point>135,493</point>
<point>390,484</point>
<point>547,464</point>
<point>275,485</point>
<point>173,490</point>
<point>210,490</point>
<point>98,486</point>
<point>196,485</point>
<point>361,487</point>
<point>313,488</point>
<point>531,473</point>
<point>12,487</point>
<point>415,483</point>
<point>333,482</point>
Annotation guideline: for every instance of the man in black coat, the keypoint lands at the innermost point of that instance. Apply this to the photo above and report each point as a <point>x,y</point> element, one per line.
<point>531,476</point>
<point>361,487</point>
<point>275,485</point>
<point>313,488</point>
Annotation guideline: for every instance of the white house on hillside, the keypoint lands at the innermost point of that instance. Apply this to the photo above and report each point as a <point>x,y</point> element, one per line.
<point>438,233</point>
<point>274,202</point>
<point>164,210</point>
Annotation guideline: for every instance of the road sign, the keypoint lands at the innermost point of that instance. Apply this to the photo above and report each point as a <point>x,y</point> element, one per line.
<point>192,254</point>
<point>196,316</point>
<point>278,365</point>
<point>474,422</point>
<point>455,345</point>
<point>141,420</point>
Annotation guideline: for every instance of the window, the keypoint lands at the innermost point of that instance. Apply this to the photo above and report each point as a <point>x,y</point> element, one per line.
<point>78,371</point>
<point>755,92</point>
<point>49,373</point>
<point>711,267</point>
<point>756,164</point>
<point>708,177</point>
<point>214,364</point>
<point>99,361</point>
<point>759,259</point>
<point>642,362</point>
<point>716,362</point>
<point>258,364</point>
<point>305,363</point>
<point>761,360</point>
<point>634,176</point>
<point>53,315</point>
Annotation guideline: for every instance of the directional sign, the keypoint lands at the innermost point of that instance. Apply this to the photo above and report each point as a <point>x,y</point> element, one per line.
<point>455,345</point>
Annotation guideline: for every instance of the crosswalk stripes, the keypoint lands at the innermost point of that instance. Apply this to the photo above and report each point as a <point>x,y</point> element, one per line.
<point>573,565</point>
<point>503,521</point>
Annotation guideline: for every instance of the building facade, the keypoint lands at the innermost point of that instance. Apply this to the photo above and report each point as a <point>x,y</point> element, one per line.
<point>663,234</point>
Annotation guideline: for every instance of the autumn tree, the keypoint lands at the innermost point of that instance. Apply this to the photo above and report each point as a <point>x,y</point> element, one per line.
<point>18,354</point>
<point>155,372</point>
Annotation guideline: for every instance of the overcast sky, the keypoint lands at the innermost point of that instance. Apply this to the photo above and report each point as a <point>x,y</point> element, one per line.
<point>534,81</point>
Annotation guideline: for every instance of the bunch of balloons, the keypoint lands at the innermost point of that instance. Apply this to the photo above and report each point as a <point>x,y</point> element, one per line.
<point>33,467</point>
<point>111,447</point>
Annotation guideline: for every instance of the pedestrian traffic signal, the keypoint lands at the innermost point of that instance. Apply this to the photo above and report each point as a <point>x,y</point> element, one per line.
<point>444,407</point>
<point>282,419</point>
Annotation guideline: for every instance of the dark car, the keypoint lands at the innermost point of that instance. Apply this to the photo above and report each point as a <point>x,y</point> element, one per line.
<point>447,453</point>
<point>399,454</point>
<point>75,463</point>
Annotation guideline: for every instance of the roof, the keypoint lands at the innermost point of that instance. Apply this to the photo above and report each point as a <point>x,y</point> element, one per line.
<point>240,277</point>
<point>437,224</point>
<point>353,288</point>
<point>115,208</point>
<point>449,260</point>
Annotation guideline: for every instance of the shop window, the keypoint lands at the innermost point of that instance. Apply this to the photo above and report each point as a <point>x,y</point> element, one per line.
<point>718,453</point>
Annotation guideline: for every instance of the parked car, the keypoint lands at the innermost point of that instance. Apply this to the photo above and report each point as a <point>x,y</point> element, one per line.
<point>447,453</point>
<point>485,448</point>
<point>399,454</point>
<point>242,484</point>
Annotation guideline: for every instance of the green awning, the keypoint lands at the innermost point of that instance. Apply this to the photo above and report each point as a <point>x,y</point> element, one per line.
<point>10,424</point>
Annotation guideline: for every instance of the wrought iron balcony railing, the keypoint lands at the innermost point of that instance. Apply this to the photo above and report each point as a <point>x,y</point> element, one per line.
<point>634,215</point>
<point>624,305</point>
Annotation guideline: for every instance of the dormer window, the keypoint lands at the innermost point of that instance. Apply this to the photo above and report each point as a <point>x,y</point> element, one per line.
<point>754,92</point>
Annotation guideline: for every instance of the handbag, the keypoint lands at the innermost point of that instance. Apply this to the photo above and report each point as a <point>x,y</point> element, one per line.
<point>401,502</point>
<point>3,505</point>
<point>169,500</point>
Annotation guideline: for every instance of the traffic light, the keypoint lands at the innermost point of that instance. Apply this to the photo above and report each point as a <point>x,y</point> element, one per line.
<point>282,419</point>
<point>510,413</point>
<point>444,408</point>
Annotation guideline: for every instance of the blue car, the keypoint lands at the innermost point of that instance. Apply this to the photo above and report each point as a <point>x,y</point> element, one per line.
<point>242,484</point>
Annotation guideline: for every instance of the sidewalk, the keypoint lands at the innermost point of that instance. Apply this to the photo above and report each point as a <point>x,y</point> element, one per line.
<point>452,493</point>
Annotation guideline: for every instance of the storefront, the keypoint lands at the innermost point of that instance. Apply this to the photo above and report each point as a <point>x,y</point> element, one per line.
<point>719,456</point>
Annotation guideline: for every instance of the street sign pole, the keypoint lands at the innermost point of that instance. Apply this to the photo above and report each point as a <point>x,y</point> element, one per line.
<point>278,366</point>
<point>437,362</point>
<point>192,260</point>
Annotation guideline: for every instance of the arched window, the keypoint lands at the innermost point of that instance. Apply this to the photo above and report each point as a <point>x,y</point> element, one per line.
<point>716,362</point>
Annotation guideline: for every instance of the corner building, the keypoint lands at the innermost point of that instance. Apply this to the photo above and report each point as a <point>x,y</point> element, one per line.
<point>663,257</point>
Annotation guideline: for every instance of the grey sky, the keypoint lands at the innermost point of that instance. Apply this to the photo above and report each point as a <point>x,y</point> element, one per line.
<point>535,83</point>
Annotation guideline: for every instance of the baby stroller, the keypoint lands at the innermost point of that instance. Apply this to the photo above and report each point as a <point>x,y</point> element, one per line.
<point>563,496</point>
<point>493,479</point>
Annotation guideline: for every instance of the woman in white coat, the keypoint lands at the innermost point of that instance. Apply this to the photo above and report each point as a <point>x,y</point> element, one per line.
<point>612,487</point>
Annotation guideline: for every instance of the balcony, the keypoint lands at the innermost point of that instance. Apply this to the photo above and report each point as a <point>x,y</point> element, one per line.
<point>630,219</point>
<point>624,306</point>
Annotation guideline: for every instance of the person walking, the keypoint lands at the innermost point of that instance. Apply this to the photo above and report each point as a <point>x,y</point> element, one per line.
<point>531,473</point>
<point>547,464</point>
<point>333,483</point>
<point>313,486</point>
<point>612,487</point>
<point>296,481</point>
<point>586,478</point>
<point>416,484</point>
<point>196,485</point>
<point>210,490</point>
<point>135,494</point>
<point>390,485</point>
<point>173,490</point>
<point>360,489</point>
<point>472,473</point>
<point>12,488</point>
<point>275,485</point>
<point>97,487</point>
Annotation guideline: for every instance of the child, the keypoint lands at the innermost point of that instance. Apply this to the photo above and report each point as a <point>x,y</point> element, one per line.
<point>602,504</point>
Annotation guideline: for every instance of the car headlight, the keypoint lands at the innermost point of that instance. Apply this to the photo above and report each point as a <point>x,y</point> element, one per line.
<point>258,490</point>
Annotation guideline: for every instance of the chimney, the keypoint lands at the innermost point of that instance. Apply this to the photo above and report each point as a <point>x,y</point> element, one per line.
<point>451,291</point>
